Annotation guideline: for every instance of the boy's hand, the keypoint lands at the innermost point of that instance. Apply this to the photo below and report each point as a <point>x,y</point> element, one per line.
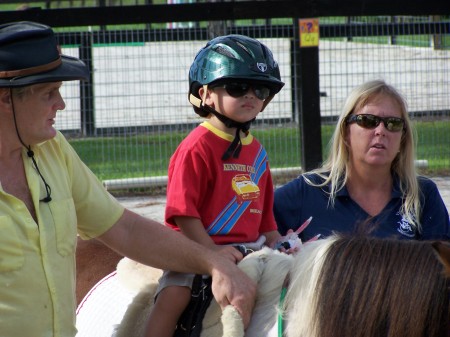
<point>291,243</point>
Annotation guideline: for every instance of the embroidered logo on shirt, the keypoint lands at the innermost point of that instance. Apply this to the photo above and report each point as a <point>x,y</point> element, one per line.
<point>404,227</point>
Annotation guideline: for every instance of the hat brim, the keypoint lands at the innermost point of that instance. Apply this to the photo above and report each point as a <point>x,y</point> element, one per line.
<point>71,69</point>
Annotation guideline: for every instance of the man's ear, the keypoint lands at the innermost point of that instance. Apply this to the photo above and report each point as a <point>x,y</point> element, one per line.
<point>443,251</point>
<point>6,102</point>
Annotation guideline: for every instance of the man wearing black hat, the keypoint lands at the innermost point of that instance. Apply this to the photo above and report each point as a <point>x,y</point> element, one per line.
<point>47,196</point>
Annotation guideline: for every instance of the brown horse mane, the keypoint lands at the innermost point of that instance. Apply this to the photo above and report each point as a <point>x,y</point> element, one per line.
<point>371,287</point>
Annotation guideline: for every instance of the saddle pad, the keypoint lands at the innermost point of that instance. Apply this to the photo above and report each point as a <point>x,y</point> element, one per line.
<point>103,308</point>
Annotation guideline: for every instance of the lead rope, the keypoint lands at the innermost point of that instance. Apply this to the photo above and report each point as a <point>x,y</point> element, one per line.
<point>281,320</point>
<point>280,315</point>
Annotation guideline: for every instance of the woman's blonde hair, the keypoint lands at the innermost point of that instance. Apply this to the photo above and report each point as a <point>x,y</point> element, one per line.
<point>335,168</point>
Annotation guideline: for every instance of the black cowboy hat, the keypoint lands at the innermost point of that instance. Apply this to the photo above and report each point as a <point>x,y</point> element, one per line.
<point>29,54</point>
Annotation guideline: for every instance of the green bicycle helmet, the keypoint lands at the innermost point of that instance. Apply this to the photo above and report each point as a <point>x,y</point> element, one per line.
<point>233,57</point>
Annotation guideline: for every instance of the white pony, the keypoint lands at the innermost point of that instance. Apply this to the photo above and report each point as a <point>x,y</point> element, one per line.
<point>339,286</point>
<point>268,268</point>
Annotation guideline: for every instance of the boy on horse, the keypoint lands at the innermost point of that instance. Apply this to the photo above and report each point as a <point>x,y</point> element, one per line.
<point>220,190</point>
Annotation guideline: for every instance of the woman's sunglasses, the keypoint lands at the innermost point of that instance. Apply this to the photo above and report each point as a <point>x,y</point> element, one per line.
<point>239,89</point>
<point>367,121</point>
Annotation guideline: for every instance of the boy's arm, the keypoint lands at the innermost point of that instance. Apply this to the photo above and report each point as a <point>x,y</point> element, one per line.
<point>194,230</point>
<point>271,238</point>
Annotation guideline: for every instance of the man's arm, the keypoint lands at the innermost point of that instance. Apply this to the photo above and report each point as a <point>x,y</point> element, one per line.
<point>150,243</point>
<point>194,230</point>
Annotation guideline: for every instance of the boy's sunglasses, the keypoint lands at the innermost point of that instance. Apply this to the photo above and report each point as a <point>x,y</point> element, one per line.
<point>367,121</point>
<point>239,89</point>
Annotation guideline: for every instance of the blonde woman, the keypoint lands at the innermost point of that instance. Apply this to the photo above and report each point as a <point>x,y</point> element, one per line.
<point>368,184</point>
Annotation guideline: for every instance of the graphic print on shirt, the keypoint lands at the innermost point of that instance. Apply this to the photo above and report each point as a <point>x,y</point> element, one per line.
<point>244,187</point>
<point>225,221</point>
<point>404,227</point>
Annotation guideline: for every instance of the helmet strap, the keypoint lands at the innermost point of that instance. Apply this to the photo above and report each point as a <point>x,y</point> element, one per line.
<point>236,145</point>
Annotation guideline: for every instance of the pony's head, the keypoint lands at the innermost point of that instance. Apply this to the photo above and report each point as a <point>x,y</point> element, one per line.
<point>362,286</point>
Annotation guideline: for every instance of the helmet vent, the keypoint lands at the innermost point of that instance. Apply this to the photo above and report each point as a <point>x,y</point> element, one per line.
<point>264,51</point>
<point>245,48</point>
<point>224,51</point>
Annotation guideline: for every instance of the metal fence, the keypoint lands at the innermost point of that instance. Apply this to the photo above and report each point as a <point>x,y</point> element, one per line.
<point>134,111</point>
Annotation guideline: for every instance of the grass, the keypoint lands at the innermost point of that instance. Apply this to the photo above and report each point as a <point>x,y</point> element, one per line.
<point>145,155</point>
<point>433,139</point>
<point>128,156</point>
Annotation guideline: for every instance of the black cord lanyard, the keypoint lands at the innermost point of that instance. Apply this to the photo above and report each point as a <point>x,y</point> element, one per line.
<point>30,154</point>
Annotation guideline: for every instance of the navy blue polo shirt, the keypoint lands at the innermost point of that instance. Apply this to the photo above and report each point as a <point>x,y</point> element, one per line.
<point>296,201</point>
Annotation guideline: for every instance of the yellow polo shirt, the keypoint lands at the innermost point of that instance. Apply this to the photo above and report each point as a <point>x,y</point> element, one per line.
<point>37,260</point>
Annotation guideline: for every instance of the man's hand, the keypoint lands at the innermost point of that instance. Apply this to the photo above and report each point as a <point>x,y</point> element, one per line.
<point>232,286</point>
<point>229,252</point>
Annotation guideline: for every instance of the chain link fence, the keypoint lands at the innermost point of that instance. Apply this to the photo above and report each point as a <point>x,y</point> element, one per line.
<point>135,110</point>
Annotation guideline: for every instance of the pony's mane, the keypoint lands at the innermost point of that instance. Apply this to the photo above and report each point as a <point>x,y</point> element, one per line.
<point>268,268</point>
<point>363,286</point>
<point>300,297</point>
